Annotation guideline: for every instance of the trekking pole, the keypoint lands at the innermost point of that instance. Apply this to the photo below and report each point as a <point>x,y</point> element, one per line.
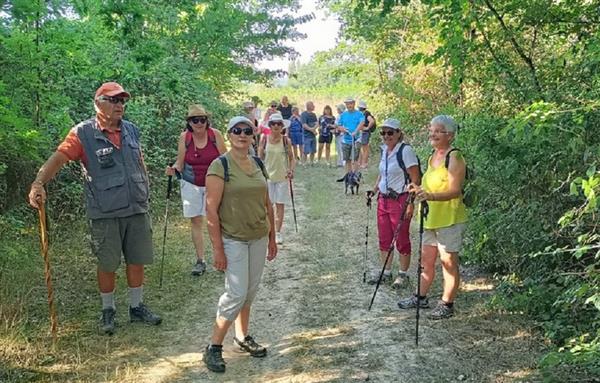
<point>369,200</point>
<point>47,271</point>
<point>391,248</point>
<point>424,210</point>
<point>293,204</point>
<point>162,260</point>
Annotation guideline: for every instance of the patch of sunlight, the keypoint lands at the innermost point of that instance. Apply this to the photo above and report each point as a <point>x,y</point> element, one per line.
<point>323,334</point>
<point>165,369</point>
<point>479,284</point>
<point>519,374</point>
<point>313,377</point>
<point>329,277</point>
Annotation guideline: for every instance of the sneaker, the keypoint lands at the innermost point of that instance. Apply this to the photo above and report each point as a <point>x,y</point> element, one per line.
<point>411,303</point>
<point>250,346</point>
<point>441,311</point>
<point>401,281</point>
<point>199,268</point>
<point>107,321</point>
<point>213,359</point>
<point>386,278</point>
<point>278,238</point>
<point>143,314</point>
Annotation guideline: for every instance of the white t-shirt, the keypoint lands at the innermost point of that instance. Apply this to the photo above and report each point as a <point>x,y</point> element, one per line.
<point>394,177</point>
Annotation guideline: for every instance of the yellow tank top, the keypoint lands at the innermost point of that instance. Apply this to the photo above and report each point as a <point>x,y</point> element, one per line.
<point>441,213</point>
<point>276,161</point>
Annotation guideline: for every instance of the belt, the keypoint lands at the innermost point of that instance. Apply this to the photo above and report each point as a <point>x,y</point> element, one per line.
<point>394,196</point>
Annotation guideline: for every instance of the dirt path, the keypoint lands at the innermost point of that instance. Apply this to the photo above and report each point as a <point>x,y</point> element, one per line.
<point>310,312</point>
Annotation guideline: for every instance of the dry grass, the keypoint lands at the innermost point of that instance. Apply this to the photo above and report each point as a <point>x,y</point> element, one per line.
<point>310,312</point>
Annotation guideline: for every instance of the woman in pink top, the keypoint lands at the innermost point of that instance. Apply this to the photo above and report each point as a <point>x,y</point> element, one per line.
<point>198,146</point>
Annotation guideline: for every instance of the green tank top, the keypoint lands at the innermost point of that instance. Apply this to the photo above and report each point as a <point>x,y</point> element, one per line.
<point>441,213</point>
<point>242,212</point>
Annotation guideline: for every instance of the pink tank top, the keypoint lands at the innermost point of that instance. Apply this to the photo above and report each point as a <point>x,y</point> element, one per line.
<point>200,159</point>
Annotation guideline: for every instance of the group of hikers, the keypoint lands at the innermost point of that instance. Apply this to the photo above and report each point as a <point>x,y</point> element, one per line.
<point>236,189</point>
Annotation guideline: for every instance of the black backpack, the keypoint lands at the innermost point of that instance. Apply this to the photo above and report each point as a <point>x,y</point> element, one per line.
<point>403,165</point>
<point>225,164</point>
<point>372,128</point>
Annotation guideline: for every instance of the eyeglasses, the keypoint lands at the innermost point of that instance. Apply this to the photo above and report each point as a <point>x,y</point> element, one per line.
<point>237,131</point>
<point>198,120</point>
<point>273,105</point>
<point>275,123</point>
<point>387,132</point>
<point>113,100</point>
<point>437,131</point>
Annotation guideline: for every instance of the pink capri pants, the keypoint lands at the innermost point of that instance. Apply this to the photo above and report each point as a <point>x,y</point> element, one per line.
<point>388,219</point>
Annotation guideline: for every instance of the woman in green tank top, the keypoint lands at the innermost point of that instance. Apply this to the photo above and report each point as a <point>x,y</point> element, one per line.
<point>444,226</point>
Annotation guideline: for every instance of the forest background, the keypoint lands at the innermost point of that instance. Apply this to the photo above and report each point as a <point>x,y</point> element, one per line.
<point>522,77</point>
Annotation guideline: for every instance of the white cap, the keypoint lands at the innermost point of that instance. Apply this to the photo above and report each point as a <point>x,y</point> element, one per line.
<point>391,123</point>
<point>277,117</point>
<point>362,104</point>
<point>239,120</point>
<point>349,100</point>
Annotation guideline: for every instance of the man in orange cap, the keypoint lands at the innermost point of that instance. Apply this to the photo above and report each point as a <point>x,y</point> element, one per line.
<point>116,190</point>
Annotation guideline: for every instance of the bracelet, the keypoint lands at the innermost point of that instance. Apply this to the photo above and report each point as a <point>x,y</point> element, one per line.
<point>38,182</point>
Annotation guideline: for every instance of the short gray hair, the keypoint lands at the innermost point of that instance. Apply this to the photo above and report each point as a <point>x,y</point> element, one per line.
<point>446,121</point>
<point>341,107</point>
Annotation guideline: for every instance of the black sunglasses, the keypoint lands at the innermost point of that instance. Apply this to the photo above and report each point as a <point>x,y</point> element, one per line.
<point>113,100</point>
<point>388,132</point>
<point>275,123</point>
<point>273,106</point>
<point>199,120</point>
<point>237,131</point>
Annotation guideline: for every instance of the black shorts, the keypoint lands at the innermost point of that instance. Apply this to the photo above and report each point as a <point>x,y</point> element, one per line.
<point>325,139</point>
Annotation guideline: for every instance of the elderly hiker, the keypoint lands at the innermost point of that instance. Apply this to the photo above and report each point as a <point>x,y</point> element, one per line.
<point>445,224</point>
<point>326,127</point>
<point>198,146</point>
<point>348,124</point>
<point>295,134</point>
<point>116,190</point>
<point>366,128</point>
<point>275,150</point>
<point>341,108</point>
<point>309,123</point>
<point>242,230</point>
<point>398,168</point>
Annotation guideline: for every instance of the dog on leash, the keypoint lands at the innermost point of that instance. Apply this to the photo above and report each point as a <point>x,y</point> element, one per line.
<point>351,180</point>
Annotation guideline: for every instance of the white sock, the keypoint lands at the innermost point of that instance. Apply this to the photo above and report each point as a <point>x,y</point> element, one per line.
<point>401,272</point>
<point>136,295</point>
<point>387,273</point>
<point>108,300</point>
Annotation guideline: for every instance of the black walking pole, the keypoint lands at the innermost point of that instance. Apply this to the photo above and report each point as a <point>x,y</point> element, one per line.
<point>423,214</point>
<point>293,204</point>
<point>162,260</point>
<point>370,195</point>
<point>391,248</point>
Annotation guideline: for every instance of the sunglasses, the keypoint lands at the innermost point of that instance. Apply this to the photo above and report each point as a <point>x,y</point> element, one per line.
<point>273,105</point>
<point>237,131</point>
<point>387,132</point>
<point>113,100</point>
<point>275,123</point>
<point>198,120</point>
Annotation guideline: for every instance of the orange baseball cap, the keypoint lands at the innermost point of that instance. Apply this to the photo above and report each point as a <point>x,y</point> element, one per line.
<point>111,89</point>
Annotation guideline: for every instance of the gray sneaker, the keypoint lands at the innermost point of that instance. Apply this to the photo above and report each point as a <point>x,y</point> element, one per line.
<point>411,303</point>
<point>199,268</point>
<point>375,277</point>
<point>441,311</point>
<point>143,314</point>
<point>107,321</point>
<point>400,282</point>
<point>213,359</point>
<point>250,346</point>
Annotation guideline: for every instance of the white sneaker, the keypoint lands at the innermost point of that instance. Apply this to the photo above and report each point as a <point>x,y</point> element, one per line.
<point>278,238</point>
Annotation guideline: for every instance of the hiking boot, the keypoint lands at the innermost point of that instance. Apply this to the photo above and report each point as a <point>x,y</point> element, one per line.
<point>411,303</point>
<point>107,321</point>
<point>401,281</point>
<point>441,311</point>
<point>278,238</point>
<point>143,314</point>
<point>199,268</point>
<point>385,278</point>
<point>213,359</point>
<point>251,347</point>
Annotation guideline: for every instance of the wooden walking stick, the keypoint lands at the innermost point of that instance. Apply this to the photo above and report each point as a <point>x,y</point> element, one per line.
<point>47,270</point>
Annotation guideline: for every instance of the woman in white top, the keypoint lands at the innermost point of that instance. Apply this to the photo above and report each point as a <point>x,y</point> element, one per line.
<point>398,167</point>
<point>275,150</point>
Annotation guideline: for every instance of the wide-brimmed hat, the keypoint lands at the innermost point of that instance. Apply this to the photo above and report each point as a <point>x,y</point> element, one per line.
<point>239,120</point>
<point>196,110</point>
<point>277,117</point>
<point>362,105</point>
<point>391,123</point>
<point>111,89</point>
<point>349,100</point>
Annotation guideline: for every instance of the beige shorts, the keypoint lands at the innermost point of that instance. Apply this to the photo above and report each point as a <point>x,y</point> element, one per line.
<point>278,192</point>
<point>448,239</point>
<point>193,199</point>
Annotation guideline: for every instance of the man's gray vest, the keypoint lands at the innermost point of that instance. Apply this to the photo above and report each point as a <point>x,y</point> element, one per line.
<point>116,183</point>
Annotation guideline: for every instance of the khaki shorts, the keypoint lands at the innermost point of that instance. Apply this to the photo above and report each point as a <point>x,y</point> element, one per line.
<point>130,236</point>
<point>278,192</point>
<point>447,239</point>
<point>193,199</point>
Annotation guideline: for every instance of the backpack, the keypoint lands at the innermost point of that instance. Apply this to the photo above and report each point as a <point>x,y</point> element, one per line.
<point>225,164</point>
<point>468,192</point>
<point>372,128</point>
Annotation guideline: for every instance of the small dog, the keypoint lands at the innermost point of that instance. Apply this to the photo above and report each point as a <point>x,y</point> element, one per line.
<point>351,180</point>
